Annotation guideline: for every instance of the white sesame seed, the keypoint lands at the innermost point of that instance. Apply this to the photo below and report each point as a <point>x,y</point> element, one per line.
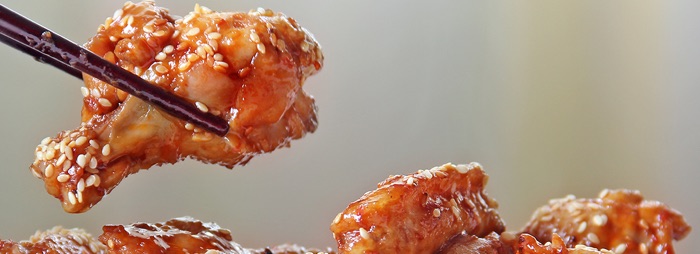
<point>620,248</point>
<point>62,178</point>
<point>84,91</point>
<point>80,196</point>
<point>220,63</point>
<point>71,198</point>
<point>94,144</point>
<point>337,218</point>
<point>593,238</point>
<point>161,69</point>
<point>364,234</point>
<point>113,39</point>
<point>69,153</point>
<point>39,155</point>
<point>273,39</point>
<point>213,45</point>
<point>90,180</point>
<point>214,36</point>
<point>49,170</point>
<point>159,33</point>
<point>208,49</point>
<point>254,36</point>
<point>281,45</point>
<point>93,163</point>
<point>104,102</point>
<point>148,28</point>
<point>184,66</point>
<point>600,219</point>
<point>97,181</point>
<point>81,185</point>
<point>117,14</point>
<point>189,126</point>
<point>201,52</point>
<point>106,150</point>
<point>160,56</point>
<point>192,57</point>
<point>110,244</point>
<point>92,170</point>
<point>436,212</point>
<point>192,32</point>
<point>72,143</point>
<point>201,106</point>
<point>427,174</point>
<point>643,248</point>
<point>81,140</point>
<point>581,227</point>
<point>60,160</point>
<point>189,17</point>
<point>168,49</point>
<point>455,211</point>
<point>81,160</point>
<point>304,46</point>
<point>218,57</point>
<point>50,154</point>
<point>462,169</point>
<point>410,180</point>
<point>66,166</point>
<point>261,48</point>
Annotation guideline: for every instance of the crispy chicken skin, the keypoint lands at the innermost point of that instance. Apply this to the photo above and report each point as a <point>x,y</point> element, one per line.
<point>181,235</point>
<point>55,241</point>
<point>617,220</point>
<point>248,68</point>
<point>418,213</point>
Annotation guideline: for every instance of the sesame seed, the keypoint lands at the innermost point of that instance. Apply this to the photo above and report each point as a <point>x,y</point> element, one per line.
<point>273,39</point>
<point>218,57</point>
<point>81,161</point>
<point>71,198</point>
<point>214,36</point>
<point>220,63</point>
<point>201,106</point>
<point>189,17</point>
<point>261,48</point>
<point>189,126</point>
<point>581,227</point>
<point>62,178</point>
<point>80,197</point>
<point>337,218</point>
<point>117,14</point>
<point>254,36</point>
<point>436,212</point>
<point>593,238</point>
<point>184,66</point>
<point>97,181</point>
<point>620,248</point>
<point>94,144</point>
<point>508,236</point>
<point>84,91</point>
<point>34,171</point>
<point>66,166</point>
<point>546,218</point>
<point>201,52</point>
<point>81,185</point>
<point>304,46</point>
<point>130,20</point>
<point>90,180</point>
<point>175,34</point>
<point>110,243</point>
<point>159,33</point>
<point>104,102</point>
<point>113,39</point>
<point>643,248</point>
<point>60,160</point>
<point>69,153</point>
<point>106,150</point>
<point>160,56</point>
<point>192,57</point>
<point>168,49</point>
<point>199,137</point>
<point>364,234</point>
<point>427,174</point>
<point>281,45</point>
<point>462,169</point>
<point>455,211</point>
<point>208,49</point>
<point>50,154</point>
<point>600,219</point>
<point>148,28</point>
<point>49,170</point>
<point>80,140</point>
<point>161,69</point>
<point>92,170</point>
<point>410,180</point>
<point>192,32</point>
<point>108,21</point>
<point>93,162</point>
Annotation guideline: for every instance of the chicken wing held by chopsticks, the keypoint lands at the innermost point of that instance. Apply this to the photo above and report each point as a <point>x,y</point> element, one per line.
<point>248,68</point>
<point>418,213</point>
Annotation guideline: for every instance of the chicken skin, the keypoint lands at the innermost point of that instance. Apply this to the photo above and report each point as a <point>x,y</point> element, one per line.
<point>55,241</point>
<point>248,68</point>
<point>418,213</point>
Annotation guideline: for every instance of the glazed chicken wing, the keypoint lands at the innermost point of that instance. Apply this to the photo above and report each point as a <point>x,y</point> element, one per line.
<point>619,220</point>
<point>248,68</point>
<point>418,213</point>
<point>55,241</point>
<point>181,235</point>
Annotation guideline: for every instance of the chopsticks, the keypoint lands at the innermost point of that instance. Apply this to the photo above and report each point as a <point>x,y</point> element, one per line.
<point>49,47</point>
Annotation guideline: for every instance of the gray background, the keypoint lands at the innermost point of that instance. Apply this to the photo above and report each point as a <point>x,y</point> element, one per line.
<point>552,97</point>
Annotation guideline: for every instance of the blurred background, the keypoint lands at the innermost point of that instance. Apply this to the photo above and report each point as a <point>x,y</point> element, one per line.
<point>551,97</point>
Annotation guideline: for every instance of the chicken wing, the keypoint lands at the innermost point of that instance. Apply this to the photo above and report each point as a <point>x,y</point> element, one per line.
<point>248,68</point>
<point>181,235</point>
<point>619,220</point>
<point>418,213</point>
<point>56,240</point>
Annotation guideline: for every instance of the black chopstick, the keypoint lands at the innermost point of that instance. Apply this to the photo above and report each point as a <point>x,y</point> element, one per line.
<point>51,48</point>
